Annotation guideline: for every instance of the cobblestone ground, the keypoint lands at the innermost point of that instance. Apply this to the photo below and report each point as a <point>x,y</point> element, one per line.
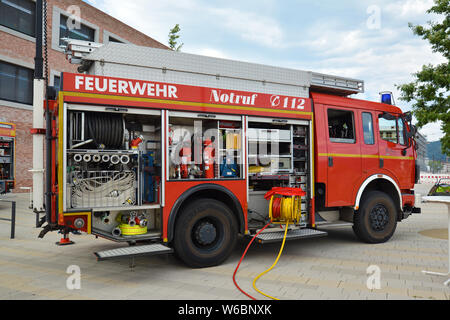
<point>326,268</point>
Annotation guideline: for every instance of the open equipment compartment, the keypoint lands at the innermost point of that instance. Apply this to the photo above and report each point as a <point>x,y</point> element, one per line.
<point>203,146</point>
<point>279,155</point>
<point>112,167</point>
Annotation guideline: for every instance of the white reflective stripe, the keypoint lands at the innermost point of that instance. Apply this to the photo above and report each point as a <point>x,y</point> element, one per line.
<point>369,180</point>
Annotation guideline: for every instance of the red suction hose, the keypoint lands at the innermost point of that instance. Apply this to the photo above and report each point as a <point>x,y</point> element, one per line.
<point>242,258</point>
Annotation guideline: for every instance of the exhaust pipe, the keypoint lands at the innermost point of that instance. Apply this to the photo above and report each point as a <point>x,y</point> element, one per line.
<point>106,158</point>
<point>117,232</point>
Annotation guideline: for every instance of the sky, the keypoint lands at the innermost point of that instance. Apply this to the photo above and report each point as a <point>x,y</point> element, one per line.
<point>367,40</point>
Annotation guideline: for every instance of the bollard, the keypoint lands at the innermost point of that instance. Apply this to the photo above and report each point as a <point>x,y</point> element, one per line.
<point>13,220</point>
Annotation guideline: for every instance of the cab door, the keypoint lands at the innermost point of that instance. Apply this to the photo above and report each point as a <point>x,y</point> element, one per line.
<point>369,144</point>
<point>343,155</point>
<point>396,159</point>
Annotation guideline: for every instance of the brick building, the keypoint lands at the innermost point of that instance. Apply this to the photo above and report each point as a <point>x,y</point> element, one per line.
<point>17,51</point>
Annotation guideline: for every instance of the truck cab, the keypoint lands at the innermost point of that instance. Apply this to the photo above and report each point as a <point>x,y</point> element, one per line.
<point>364,150</point>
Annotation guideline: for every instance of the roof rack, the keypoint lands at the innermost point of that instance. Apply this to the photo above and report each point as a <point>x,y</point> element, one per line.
<point>145,63</point>
<point>339,85</point>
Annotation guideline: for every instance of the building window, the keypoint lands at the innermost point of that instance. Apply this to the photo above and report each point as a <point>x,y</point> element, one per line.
<point>341,126</point>
<point>83,33</point>
<point>57,83</point>
<point>16,83</point>
<point>111,39</point>
<point>19,15</point>
<point>369,136</point>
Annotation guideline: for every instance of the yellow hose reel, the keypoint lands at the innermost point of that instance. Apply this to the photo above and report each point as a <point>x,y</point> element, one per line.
<point>283,209</point>
<point>285,205</point>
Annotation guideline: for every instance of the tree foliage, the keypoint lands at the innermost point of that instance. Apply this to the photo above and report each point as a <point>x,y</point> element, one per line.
<point>435,166</point>
<point>430,89</point>
<point>173,38</point>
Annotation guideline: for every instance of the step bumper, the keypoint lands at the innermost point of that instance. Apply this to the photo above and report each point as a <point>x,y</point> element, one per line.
<point>133,251</point>
<point>273,237</point>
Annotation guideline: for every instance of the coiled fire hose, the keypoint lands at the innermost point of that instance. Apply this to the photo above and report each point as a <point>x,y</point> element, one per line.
<point>285,208</point>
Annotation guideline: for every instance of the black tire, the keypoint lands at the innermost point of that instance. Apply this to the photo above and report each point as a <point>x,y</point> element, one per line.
<point>376,219</point>
<point>205,233</point>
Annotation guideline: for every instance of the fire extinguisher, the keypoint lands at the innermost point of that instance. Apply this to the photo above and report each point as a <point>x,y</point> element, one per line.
<point>208,159</point>
<point>186,155</point>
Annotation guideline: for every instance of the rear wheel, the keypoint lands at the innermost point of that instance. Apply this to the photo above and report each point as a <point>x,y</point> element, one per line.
<point>205,233</point>
<point>376,219</point>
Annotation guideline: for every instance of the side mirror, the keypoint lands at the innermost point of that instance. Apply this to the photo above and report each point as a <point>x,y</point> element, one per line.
<point>407,116</point>
<point>411,135</point>
<point>388,116</point>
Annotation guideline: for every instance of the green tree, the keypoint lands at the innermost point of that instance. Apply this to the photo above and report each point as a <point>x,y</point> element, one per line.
<point>430,89</point>
<point>173,38</point>
<point>435,166</point>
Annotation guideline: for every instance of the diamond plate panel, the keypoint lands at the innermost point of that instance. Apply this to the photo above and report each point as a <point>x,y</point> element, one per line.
<point>152,249</point>
<point>270,237</point>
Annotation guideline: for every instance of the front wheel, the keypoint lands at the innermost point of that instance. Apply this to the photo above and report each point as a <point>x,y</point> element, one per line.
<point>205,233</point>
<point>376,219</point>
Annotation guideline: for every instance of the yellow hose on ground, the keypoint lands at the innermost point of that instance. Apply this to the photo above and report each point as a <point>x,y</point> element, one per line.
<point>273,266</point>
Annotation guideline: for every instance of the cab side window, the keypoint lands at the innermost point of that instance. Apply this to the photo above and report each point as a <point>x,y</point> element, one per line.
<point>369,136</point>
<point>401,130</point>
<point>341,126</point>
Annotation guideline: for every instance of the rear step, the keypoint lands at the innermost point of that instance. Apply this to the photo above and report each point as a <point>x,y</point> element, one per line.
<point>133,251</point>
<point>272,237</point>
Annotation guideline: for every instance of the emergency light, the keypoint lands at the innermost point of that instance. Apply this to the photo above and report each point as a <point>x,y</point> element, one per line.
<point>387,97</point>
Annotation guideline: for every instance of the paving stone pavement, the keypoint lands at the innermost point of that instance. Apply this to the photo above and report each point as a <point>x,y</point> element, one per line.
<point>326,268</point>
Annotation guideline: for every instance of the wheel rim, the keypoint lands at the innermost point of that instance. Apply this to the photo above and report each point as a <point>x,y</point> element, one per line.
<point>206,234</point>
<point>379,217</point>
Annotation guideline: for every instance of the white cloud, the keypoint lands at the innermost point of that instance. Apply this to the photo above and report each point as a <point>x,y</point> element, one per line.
<point>210,52</point>
<point>432,131</point>
<point>154,18</point>
<point>250,26</point>
<point>409,8</point>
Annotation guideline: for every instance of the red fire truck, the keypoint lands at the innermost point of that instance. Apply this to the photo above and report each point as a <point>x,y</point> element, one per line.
<point>175,152</point>
<point>7,156</point>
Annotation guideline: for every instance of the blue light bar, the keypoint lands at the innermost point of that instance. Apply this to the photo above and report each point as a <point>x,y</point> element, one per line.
<point>387,98</point>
